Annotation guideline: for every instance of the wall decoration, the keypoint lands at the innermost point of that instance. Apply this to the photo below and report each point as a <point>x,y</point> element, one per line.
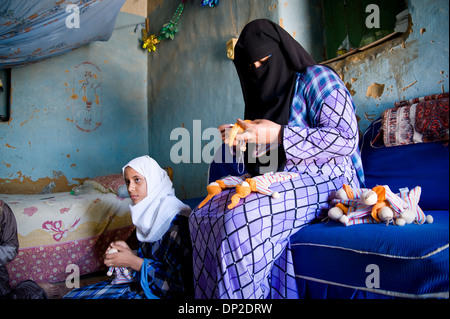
<point>86,97</point>
<point>169,29</point>
<point>210,3</point>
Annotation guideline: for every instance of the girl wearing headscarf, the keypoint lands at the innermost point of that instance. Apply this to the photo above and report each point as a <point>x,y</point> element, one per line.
<point>302,118</point>
<point>162,267</point>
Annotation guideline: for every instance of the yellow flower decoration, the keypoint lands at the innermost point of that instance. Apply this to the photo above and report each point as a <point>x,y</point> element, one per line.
<point>150,42</point>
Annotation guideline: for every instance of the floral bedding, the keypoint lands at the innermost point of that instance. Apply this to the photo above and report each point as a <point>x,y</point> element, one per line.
<point>61,232</point>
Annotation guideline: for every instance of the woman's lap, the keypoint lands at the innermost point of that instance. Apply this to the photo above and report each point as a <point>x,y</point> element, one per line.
<point>238,252</point>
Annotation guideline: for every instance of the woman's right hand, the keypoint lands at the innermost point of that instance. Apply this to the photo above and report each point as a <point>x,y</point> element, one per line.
<point>257,131</point>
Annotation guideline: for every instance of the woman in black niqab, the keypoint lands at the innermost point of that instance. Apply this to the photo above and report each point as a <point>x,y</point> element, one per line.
<point>268,90</point>
<point>290,101</point>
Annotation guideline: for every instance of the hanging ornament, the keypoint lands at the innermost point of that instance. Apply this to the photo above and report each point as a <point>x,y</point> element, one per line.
<point>168,30</point>
<point>150,42</point>
<point>210,3</point>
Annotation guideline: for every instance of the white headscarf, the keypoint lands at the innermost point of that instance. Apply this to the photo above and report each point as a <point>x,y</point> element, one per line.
<point>152,215</point>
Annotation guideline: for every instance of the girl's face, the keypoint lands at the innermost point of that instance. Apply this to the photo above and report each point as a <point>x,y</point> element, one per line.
<point>136,185</point>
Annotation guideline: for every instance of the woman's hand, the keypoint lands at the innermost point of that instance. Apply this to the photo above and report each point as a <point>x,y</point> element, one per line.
<point>257,131</point>
<point>124,257</point>
<point>260,132</point>
<point>225,130</point>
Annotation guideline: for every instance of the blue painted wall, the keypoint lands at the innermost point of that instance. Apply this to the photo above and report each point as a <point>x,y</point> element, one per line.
<point>189,85</point>
<point>303,20</point>
<point>53,135</point>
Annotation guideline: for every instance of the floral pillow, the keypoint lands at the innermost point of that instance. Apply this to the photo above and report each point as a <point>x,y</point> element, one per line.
<point>107,183</point>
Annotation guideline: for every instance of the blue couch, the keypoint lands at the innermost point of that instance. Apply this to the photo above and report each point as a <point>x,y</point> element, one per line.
<point>378,261</point>
<point>375,261</point>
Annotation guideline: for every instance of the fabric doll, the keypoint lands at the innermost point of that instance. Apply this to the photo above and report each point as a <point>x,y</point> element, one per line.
<point>377,205</point>
<point>245,185</point>
<point>123,274</point>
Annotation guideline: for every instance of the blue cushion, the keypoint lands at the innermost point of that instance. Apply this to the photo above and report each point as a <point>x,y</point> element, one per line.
<point>425,165</point>
<point>412,260</point>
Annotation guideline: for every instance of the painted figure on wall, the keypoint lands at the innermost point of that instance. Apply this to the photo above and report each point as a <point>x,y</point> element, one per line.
<point>87,97</point>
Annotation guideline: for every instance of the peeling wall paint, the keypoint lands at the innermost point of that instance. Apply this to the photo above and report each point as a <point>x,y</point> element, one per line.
<point>375,90</point>
<point>413,65</point>
<point>25,185</point>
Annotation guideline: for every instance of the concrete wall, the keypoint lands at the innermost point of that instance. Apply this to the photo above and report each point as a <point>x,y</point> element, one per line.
<point>56,137</point>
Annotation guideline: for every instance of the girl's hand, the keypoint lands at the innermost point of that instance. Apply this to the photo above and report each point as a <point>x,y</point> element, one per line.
<point>124,257</point>
<point>119,243</point>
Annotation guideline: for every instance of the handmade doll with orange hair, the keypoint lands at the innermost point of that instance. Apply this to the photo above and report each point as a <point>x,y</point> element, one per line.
<point>377,205</point>
<point>245,185</point>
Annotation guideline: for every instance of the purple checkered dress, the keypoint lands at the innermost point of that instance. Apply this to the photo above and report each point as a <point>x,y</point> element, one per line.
<point>245,252</point>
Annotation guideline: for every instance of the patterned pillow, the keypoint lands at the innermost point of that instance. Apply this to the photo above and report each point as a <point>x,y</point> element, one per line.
<point>423,122</point>
<point>107,183</point>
